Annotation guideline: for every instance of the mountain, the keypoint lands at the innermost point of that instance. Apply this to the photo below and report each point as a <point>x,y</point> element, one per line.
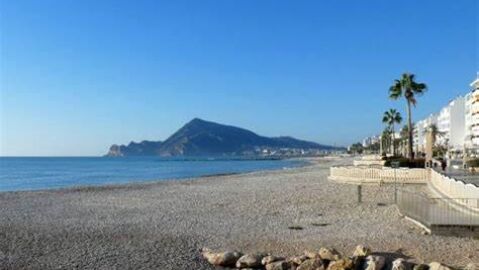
<point>203,138</point>
<point>144,148</point>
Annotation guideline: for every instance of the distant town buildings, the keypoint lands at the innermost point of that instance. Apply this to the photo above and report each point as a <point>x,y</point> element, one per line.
<point>371,140</point>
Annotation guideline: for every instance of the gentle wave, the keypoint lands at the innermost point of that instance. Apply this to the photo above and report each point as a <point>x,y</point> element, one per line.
<point>36,173</point>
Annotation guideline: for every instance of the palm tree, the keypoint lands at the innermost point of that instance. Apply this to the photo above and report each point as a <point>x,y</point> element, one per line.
<point>404,134</point>
<point>386,139</point>
<point>435,132</point>
<point>391,118</point>
<point>407,86</point>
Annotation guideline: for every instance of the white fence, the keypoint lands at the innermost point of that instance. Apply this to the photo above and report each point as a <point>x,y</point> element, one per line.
<point>353,174</point>
<point>371,157</point>
<point>465,194</point>
<point>369,160</point>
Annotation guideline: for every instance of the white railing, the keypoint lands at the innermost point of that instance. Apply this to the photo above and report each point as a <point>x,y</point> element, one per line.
<point>371,157</point>
<point>368,162</point>
<point>464,194</point>
<point>352,174</point>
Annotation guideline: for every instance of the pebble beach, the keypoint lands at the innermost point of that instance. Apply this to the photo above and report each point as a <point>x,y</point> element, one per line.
<point>164,225</point>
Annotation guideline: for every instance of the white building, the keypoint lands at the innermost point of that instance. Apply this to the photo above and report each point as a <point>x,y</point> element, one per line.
<point>471,141</point>
<point>451,123</point>
<point>458,121</point>
<point>419,132</point>
<point>371,140</point>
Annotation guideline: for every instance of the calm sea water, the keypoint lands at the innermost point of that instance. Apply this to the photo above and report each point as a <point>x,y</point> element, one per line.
<point>33,173</point>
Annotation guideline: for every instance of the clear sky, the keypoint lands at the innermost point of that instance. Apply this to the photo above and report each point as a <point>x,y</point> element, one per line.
<point>78,76</point>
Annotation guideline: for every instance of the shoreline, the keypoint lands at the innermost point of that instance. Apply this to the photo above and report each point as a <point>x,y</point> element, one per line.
<point>165,224</point>
<point>306,162</point>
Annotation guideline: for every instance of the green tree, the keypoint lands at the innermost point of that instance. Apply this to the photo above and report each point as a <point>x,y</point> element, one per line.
<point>390,118</point>
<point>386,139</point>
<point>408,88</point>
<point>356,148</point>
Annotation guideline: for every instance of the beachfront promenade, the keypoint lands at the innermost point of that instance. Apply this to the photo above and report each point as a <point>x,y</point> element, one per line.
<point>444,202</point>
<point>364,174</point>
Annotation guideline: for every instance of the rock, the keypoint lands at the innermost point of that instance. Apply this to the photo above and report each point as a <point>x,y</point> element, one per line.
<point>311,264</point>
<point>311,254</point>
<point>249,261</point>
<point>227,258</point>
<point>361,251</point>
<point>341,264</point>
<point>297,259</point>
<point>472,266</point>
<point>400,264</point>
<point>269,259</point>
<point>437,266</point>
<point>358,262</point>
<point>279,265</point>
<point>421,267</point>
<point>375,262</point>
<point>329,254</point>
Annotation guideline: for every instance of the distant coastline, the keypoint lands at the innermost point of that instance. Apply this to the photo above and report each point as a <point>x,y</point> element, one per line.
<point>204,138</point>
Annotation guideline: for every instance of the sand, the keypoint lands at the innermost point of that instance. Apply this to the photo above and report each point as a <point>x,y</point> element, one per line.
<point>162,225</point>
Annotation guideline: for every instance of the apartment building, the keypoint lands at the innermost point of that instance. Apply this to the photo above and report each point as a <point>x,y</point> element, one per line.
<point>419,132</point>
<point>451,124</point>
<point>471,141</point>
<point>458,123</point>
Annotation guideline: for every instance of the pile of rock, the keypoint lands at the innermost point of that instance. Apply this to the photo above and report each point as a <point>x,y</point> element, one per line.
<point>324,259</point>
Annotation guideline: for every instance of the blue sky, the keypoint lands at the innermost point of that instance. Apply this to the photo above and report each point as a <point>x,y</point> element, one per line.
<point>77,76</point>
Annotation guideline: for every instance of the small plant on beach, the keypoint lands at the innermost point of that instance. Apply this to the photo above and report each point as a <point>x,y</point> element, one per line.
<point>390,118</point>
<point>407,87</point>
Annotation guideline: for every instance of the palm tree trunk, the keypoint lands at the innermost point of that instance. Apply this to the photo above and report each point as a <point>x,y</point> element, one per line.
<point>394,143</point>
<point>410,131</point>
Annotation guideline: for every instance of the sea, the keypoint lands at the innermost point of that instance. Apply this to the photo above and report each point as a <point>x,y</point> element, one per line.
<point>38,173</point>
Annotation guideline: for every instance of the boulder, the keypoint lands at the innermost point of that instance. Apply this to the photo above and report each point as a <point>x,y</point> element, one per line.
<point>329,254</point>
<point>400,264</point>
<point>375,262</point>
<point>297,259</point>
<point>361,251</point>
<point>437,266</point>
<point>311,264</point>
<point>311,254</point>
<point>341,264</point>
<point>472,266</point>
<point>421,267</point>
<point>249,261</point>
<point>269,259</point>
<point>227,258</point>
<point>279,265</point>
